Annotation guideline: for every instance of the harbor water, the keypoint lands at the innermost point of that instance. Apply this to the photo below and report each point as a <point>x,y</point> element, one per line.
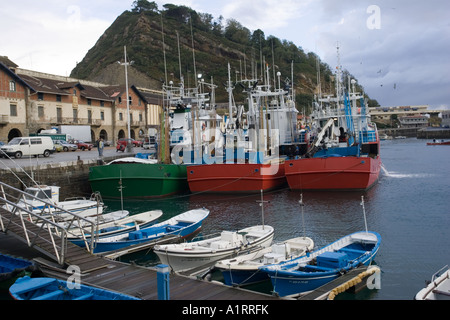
<point>409,207</point>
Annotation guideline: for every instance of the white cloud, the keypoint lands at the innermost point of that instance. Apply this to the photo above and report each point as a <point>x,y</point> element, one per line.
<point>410,47</point>
<point>268,15</point>
<point>50,41</point>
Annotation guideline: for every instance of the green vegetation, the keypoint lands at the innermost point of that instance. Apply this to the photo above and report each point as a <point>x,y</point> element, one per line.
<point>215,43</point>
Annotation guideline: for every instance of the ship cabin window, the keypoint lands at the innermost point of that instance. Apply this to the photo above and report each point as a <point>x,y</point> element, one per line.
<point>40,194</point>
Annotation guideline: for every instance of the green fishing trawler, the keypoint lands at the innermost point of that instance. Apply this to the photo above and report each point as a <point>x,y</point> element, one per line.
<point>142,177</point>
<point>138,178</point>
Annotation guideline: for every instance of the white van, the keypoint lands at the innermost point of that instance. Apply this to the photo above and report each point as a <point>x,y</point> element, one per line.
<point>28,146</point>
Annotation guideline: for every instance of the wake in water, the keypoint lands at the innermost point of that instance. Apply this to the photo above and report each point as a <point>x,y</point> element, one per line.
<point>384,170</point>
<point>405,175</point>
<point>411,175</point>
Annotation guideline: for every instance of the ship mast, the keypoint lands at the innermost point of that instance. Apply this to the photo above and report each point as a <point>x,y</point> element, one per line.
<point>230,98</point>
<point>339,75</point>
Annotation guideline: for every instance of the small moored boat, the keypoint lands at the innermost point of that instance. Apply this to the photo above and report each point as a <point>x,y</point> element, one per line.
<point>27,288</point>
<point>121,226</point>
<point>304,274</point>
<point>439,143</point>
<point>244,269</point>
<point>99,219</point>
<point>80,206</point>
<point>186,256</point>
<point>438,288</point>
<point>12,268</point>
<point>182,226</point>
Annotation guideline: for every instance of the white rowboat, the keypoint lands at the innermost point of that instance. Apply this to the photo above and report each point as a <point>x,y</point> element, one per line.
<point>190,255</point>
<point>243,269</point>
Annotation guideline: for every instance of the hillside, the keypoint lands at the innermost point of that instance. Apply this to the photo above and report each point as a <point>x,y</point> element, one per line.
<point>141,30</point>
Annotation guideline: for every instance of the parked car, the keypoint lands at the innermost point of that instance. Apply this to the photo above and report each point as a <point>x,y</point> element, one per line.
<point>29,146</point>
<point>66,146</point>
<point>135,143</point>
<point>122,144</point>
<point>58,147</point>
<point>83,145</point>
<point>149,143</point>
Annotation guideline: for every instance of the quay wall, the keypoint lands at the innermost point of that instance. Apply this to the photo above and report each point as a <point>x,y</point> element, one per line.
<point>419,133</point>
<point>434,134</point>
<point>407,132</point>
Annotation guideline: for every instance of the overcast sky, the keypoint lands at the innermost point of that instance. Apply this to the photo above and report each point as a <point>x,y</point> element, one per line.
<point>398,50</point>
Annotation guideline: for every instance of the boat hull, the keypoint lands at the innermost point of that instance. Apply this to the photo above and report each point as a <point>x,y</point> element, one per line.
<point>235,178</point>
<point>439,143</point>
<point>120,226</point>
<point>333,173</point>
<point>11,268</point>
<point>196,254</point>
<point>138,180</point>
<point>182,262</point>
<point>244,269</point>
<point>44,201</point>
<point>243,277</point>
<point>438,288</point>
<point>299,276</point>
<point>175,226</point>
<point>27,288</point>
<point>83,208</point>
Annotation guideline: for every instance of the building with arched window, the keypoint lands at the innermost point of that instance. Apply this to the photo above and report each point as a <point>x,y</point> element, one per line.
<point>32,101</point>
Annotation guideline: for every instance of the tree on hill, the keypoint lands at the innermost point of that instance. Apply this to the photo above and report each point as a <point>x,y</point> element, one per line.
<point>215,43</point>
<point>144,6</point>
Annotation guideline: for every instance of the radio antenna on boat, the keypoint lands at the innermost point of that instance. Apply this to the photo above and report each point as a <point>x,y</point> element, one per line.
<point>303,215</point>
<point>121,190</point>
<point>364,211</point>
<point>261,204</point>
<point>164,49</point>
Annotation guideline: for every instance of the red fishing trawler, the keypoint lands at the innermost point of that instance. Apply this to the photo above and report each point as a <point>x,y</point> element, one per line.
<point>235,178</point>
<point>345,154</point>
<point>255,145</point>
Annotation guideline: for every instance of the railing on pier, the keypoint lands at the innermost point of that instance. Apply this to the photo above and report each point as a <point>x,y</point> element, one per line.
<point>44,225</point>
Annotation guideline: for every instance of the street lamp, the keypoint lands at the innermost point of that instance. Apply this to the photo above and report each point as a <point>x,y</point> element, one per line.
<point>126,64</point>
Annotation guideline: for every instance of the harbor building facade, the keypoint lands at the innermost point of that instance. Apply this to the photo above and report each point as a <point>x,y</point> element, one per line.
<point>33,101</point>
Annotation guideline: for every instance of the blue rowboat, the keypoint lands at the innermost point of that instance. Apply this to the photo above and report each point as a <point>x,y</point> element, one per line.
<point>304,274</point>
<point>12,268</point>
<point>182,225</point>
<point>27,288</point>
<point>244,269</point>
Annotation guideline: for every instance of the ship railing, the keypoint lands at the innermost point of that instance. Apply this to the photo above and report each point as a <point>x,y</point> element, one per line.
<point>368,136</point>
<point>41,229</point>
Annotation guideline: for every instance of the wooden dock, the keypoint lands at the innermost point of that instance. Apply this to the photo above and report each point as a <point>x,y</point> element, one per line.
<point>113,275</point>
<point>142,282</point>
<point>135,280</point>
